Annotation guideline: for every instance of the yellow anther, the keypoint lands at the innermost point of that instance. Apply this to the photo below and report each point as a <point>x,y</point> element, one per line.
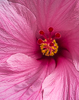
<point>53,47</point>
<point>52,53</point>
<point>47,52</point>
<point>43,51</point>
<point>53,41</point>
<point>55,51</point>
<point>47,49</point>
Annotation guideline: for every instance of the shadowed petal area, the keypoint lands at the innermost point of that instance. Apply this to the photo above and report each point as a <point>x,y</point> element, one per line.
<point>74,47</point>
<point>22,77</point>
<point>70,41</point>
<point>56,13</point>
<point>16,30</point>
<point>63,83</point>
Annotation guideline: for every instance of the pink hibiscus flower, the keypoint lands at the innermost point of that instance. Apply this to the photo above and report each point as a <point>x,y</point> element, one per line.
<point>39,50</point>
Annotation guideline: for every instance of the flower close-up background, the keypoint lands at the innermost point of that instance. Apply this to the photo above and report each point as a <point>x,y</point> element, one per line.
<point>39,50</point>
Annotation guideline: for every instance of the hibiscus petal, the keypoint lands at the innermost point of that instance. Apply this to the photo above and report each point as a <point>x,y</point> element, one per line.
<point>70,41</point>
<point>23,77</point>
<point>63,83</point>
<point>16,30</point>
<point>56,13</point>
<point>74,50</point>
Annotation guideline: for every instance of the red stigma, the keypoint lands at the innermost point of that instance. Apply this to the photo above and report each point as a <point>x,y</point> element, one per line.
<point>50,29</point>
<point>51,44</point>
<point>58,35</point>
<point>41,33</point>
<point>48,44</point>
<point>40,41</point>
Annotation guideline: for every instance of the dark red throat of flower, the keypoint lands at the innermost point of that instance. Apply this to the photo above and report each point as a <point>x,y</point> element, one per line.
<point>48,45</point>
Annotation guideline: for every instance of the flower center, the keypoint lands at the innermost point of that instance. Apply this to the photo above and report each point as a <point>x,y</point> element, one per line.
<point>49,46</point>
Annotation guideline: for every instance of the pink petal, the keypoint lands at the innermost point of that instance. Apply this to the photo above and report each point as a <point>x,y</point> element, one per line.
<point>70,40</point>
<point>63,83</point>
<point>23,76</point>
<point>74,46</point>
<point>56,13</point>
<point>17,30</point>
